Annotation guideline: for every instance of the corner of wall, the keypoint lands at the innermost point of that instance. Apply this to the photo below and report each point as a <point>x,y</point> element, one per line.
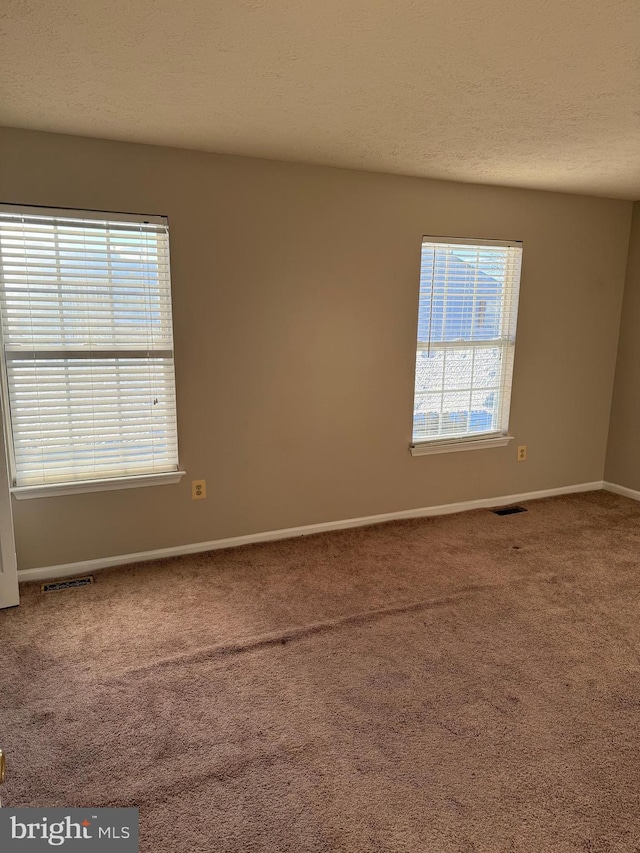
<point>622,463</point>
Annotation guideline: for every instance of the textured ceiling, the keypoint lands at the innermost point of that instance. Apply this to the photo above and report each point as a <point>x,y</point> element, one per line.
<point>533,93</point>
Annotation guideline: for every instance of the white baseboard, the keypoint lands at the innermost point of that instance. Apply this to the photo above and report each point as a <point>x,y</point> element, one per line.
<point>89,566</point>
<point>621,490</point>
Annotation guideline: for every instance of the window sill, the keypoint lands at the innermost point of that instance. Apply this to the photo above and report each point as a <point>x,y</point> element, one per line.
<point>26,492</point>
<point>426,448</point>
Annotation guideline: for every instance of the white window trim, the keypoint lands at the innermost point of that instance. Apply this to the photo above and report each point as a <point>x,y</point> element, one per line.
<point>468,442</point>
<point>427,448</point>
<point>70,487</point>
<point>56,489</point>
<point>81,214</point>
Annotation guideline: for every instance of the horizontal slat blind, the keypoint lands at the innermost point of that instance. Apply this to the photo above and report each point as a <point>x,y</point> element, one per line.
<point>466,338</point>
<point>87,338</point>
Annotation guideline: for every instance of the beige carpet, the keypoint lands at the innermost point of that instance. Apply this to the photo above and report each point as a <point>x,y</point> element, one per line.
<point>463,684</point>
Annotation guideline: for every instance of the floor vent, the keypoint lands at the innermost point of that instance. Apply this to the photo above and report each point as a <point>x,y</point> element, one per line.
<point>58,586</point>
<point>509,510</point>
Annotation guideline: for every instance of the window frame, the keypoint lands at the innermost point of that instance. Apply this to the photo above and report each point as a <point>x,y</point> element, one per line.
<point>490,438</point>
<point>69,487</point>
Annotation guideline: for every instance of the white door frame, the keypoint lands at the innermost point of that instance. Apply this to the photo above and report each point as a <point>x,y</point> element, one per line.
<point>9,595</point>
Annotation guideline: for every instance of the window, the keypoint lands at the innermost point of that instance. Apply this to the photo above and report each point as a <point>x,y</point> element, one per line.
<point>89,390</point>
<point>466,338</point>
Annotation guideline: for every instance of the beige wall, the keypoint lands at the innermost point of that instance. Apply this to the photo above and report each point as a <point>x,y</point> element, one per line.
<point>295,301</point>
<point>623,458</point>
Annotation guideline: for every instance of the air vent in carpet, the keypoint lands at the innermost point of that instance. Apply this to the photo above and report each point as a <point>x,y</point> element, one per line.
<point>71,583</point>
<point>509,510</point>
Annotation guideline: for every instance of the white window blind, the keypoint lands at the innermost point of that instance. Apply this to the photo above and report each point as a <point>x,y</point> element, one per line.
<point>87,339</point>
<point>466,338</point>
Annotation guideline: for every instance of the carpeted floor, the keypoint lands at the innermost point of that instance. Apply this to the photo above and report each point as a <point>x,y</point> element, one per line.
<point>461,684</point>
